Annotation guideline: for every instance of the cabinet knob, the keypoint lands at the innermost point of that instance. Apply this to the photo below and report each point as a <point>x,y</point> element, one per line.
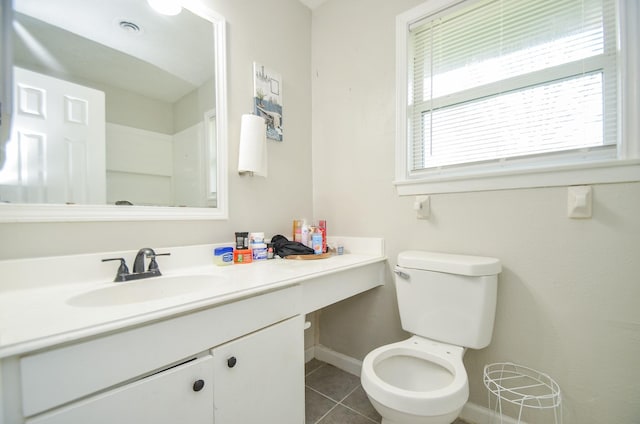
<point>231,362</point>
<point>198,385</point>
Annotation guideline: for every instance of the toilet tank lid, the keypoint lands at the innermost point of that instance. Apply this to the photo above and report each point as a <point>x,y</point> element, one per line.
<point>449,263</point>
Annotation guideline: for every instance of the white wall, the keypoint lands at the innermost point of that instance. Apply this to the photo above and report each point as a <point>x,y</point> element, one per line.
<point>569,292</point>
<point>276,33</point>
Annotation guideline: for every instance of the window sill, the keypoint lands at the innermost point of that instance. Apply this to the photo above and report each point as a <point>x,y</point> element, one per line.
<point>605,172</point>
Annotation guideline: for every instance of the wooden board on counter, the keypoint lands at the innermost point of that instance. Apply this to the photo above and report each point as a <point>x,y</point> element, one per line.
<point>309,257</point>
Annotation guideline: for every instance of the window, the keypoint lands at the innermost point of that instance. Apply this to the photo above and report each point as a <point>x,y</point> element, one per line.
<point>505,93</point>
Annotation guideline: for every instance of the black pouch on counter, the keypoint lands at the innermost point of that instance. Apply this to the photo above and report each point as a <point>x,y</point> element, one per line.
<point>283,247</point>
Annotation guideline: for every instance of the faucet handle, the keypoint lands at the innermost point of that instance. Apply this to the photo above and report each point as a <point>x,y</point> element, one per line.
<point>153,265</point>
<point>123,270</point>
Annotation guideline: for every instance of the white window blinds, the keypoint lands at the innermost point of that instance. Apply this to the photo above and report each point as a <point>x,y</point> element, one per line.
<point>499,79</point>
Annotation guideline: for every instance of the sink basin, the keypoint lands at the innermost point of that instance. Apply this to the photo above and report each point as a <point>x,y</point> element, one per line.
<point>146,290</point>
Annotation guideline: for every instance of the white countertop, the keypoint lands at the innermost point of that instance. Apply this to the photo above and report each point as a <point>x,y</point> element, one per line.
<point>36,314</point>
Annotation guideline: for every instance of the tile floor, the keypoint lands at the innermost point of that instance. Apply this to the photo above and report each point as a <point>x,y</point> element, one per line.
<point>333,396</point>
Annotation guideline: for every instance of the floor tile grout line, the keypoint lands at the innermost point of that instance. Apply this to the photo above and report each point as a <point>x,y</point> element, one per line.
<point>314,370</point>
<point>352,409</point>
<point>358,412</point>
<point>336,403</point>
<point>322,394</point>
<point>329,397</point>
<point>350,393</point>
<point>327,413</point>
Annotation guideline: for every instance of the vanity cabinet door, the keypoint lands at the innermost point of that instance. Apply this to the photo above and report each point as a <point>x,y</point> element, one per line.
<point>259,378</point>
<point>181,394</point>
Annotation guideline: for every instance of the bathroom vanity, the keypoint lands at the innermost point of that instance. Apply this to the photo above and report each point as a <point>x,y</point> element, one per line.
<point>225,347</point>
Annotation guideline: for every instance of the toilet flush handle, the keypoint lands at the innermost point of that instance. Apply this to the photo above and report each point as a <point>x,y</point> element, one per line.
<point>400,273</point>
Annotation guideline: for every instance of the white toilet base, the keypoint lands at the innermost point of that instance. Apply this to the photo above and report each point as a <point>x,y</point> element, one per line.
<point>425,420</point>
<point>392,416</point>
<point>405,382</point>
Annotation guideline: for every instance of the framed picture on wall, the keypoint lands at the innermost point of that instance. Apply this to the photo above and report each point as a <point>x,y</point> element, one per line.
<point>267,99</point>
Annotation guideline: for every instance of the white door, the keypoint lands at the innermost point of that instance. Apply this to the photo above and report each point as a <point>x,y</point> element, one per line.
<point>259,378</point>
<point>181,394</point>
<point>56,153</point>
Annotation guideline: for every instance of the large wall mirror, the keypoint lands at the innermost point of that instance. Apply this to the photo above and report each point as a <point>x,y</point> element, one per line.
<point>119,113</point>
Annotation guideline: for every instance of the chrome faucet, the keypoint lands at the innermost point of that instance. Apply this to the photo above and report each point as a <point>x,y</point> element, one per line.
<point>138,263</point>
<point>138,266</point>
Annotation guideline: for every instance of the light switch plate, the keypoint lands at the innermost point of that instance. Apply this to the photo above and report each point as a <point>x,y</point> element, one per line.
<point>579,202</point>
<point>422,206</point>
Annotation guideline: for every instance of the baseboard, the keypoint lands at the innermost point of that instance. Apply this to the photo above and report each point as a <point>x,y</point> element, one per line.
<point>476,414</point>
<point>337,359</point>
<point>309,354</point>
<point>471,412</point>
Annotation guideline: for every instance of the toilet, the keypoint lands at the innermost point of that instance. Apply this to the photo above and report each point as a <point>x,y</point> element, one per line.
<point>447,302</point>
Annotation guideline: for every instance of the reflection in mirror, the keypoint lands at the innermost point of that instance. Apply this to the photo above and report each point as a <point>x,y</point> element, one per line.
<point>116,104</point>
<point>6,74</point>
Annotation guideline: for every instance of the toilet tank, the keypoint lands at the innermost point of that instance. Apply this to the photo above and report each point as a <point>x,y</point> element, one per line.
<point>448,298</point>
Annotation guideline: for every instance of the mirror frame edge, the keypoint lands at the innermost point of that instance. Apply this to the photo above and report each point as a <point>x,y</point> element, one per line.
<point>25,212</point>
<point>6,71</point>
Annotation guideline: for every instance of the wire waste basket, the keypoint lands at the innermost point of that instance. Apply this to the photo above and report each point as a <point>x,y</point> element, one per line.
<point>523,387</point>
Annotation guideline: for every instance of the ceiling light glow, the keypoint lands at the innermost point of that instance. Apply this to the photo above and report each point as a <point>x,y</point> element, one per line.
<point>166,7</point>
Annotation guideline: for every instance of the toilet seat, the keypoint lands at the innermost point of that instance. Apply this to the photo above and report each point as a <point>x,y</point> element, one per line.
<point>432,401</point>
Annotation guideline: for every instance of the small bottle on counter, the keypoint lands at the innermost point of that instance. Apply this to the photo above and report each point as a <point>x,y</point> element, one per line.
<point>322,225</point>
<point>270,252</point>
<point>305,237</point>
<point>316,242</point>
<point>242,240</point>
<point>297,230</point>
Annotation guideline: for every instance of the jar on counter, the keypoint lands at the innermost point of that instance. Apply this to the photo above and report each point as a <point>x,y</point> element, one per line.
<point>259,251</point>
<point>223,255</point>
<point>242,256</point>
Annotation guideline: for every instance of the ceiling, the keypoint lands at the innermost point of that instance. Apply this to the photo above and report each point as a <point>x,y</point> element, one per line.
<point>87,40</point>
<point>83,38</point>
<point>312,4</point>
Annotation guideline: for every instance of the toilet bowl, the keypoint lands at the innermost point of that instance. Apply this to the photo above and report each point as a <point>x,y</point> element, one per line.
<point>447,302</point>
<point>416,381</point>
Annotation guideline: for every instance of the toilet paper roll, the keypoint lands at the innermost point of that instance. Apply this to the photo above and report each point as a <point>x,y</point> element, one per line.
<point>252,155</point>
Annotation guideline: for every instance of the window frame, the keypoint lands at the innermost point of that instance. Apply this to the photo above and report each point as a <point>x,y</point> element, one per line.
<point>559,169</point>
